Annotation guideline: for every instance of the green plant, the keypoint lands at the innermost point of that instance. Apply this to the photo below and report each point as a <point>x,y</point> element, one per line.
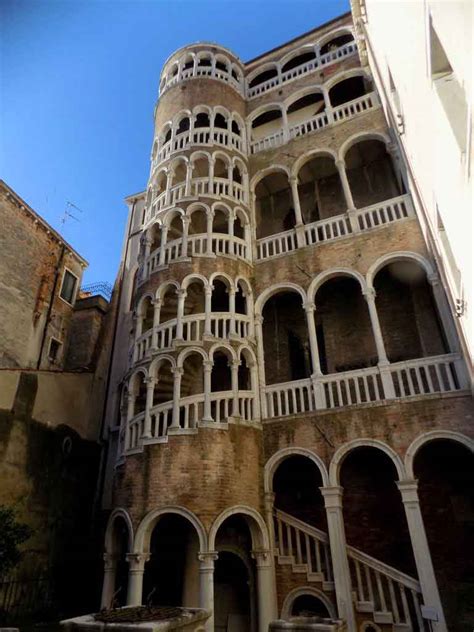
<point>12,535</point>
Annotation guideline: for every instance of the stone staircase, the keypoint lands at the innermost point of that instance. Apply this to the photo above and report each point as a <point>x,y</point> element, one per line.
<point>381,593</point>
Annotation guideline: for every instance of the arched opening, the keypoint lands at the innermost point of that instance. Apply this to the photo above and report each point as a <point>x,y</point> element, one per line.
<point>298,60</point>
<point>320,190</point>
<point>179,170</point>
<point>167,134</point>
<point>147,311</point>
<point>169,305</point>
<point>349,89</point>
<point>137,391</point>
<point>309,606</point>
<point>172,572</point>
<point>198,223</point>
<point>221,168</point>
<point>222,65</point>
<point>274,205</point>
<point>445,473</point>
<point>236,127</point>
<point>161,181</point>
<point>220,296</point>
<point>237,175</point>
<point>266,124</point>
<point>305,108</point>
<point>239,225</point>
<point>235,605</point>
<point>183,125</point>
<point>371,174</point>
<point>240,299</point>
<point>155,235</point>
<point>120,546</point>
<point>374,517</point>
<point>220,121</point>
<point>220,222</point>
<point>343,328</point>
<point>266,75</point>
<point>336,42</point>
<point>285,339</point>
<point>163,391</point>
<point>221,377</point>
<point>205,62</point>
<point>175,230</point>
<point>192,383</point>
<point>200,166</point>
<point>408,317</point>
<point>202,120</point>
<point>188,62</point>
<point>245,372</point>
<point>195,301</point>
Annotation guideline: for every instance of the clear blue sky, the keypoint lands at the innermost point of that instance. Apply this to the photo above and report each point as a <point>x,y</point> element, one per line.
<point>79,83</point>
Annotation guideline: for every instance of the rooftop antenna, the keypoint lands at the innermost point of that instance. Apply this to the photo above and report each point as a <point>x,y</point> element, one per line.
<point>67,214</point>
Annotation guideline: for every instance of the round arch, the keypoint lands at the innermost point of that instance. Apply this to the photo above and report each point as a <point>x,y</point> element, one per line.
<point>225,347</point>
<point>309,155</point>
<point>359,137</point>
<point>267,172</point>
<point>275,289</point>
<point>224,277</point>
<point>402,255</point>
<point>343,30</point>
<point>188,351</point>
<point>157,362</point>
<point>191,278</point>
<point>428,437</point>
<point>274,461</point>
<point>162,289</point>
<point>118,512</point>
<point>271,65</point>
<point>346,74</point>
<point>303,92</point>
<point>147,524</point>
<point>255,522</point>
<point>321,278</point>
<point>306,590</point>
<point>344,450</point>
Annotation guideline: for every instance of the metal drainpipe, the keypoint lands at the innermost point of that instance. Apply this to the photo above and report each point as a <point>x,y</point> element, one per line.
<point>50,306</point>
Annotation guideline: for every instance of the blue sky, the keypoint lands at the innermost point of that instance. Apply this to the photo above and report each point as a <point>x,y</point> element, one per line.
<point>79,83</point>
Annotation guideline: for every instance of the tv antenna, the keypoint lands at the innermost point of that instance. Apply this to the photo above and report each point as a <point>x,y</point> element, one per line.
<point>67,213</point>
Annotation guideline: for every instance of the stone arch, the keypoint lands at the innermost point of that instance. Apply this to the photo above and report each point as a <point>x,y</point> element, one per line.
<point>306,590</point>
<point>255,522</point>
<point>141,302</point>
<point>362,136</point>
<point>346,74</point>
<point>309,155</point>
<point>229,281</point>
<point>427,437</point>
<point>343,30</point>
<point>344,450</point>
<point>191,278</point>
<point>188,351</point>
<point>305,48</point>
<point>274,461</point>
<point>157,362</point>
<point>303,92</point>
<point>118,512</point>
<point>147,524</point>
<point>322,277</point>
<point>171,214</point>
<point>402,255</point>
<point>162,289</point>
<point>266,172</point>
<point>227,348</point>
<point>271,65</point>
<point>275,289</point>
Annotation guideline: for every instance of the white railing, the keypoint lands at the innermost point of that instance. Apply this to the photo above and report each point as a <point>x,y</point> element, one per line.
<point>327,229</point>
<point>199,136</point>
<point>303,546</point>
<point>161,416</point>
<point>135,431</point>
<point>321,60</point>
<point>289,398</point>
<point>424,376</point>
<point>323,119</point>
<point>203,71</point>
<point>352,387</point>
<point>143,345</point>
<point>191,410</point>
<point>385,212</point>
<point>276,245</point>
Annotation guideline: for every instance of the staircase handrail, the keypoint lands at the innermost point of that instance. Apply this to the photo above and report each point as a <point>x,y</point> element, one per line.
<point>303,526</point>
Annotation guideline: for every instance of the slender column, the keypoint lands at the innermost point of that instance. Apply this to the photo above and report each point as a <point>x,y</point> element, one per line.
<point>156,322</point>
<point>210,219</point>
<point>150,389</point>
<point>169,181</point>
<point>233,329</point>
<point>245,182</point>
<point>206,585</point>
<point>180,313</point>
<point>208,310</point>
<point>184,239</point>
<point>421,551</point>
<point>266,590</point>
<point>147,243</point>
<point>164,236</point>
<point>108,584</point>
<point>337,542</point>
<point>189,176</point>
<point>234,367</point>
<point>207,366</point>
<point>341,167</point>
<point>318,388</point>
<point>136,565</point>
<point>130,412</point>
<point>299,229</point>
<point>177,375</point>
<point>212,163</point>
<point>328,106</point>
<point>286,129</point>
<point>230,231</point>
<point>248,240</point>
<point>383,363</point>
<point>258,322</point>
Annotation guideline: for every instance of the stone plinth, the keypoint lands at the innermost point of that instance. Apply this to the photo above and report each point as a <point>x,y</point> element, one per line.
<point>308,624</point>
<point>190,620</point>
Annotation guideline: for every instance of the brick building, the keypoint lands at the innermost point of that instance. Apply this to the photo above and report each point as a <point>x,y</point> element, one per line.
<point>289,419</point>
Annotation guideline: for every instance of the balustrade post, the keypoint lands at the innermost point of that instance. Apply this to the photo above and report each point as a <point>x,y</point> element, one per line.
<point>108,584</point>
<point>383,363</point>
<point>234,367</point>
<point>180,313</point>
<point>232,329</point>
<point>207,310</point>
<point>209,221</point>
<point>156,322</point>
<point>136,566</point>
<point>177,375</point>
<point>300,234</point>
<point>164,237</point>
<point>150,389</point>
<point>351,209</point>
<point>318,389</point>
<point>207,366</point>
<point>206,585</point>
<point>266,590</point>
<point>258,322</point>
<point>337,542</point>
<point>421,551</point>
<point>184,237</point>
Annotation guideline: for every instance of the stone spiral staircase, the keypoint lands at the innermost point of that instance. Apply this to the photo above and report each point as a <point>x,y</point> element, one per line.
<point>381,594</point>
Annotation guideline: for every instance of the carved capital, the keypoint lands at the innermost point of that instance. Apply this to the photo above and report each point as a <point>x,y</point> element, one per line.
<point>262,557</point>
<point>137,561</point>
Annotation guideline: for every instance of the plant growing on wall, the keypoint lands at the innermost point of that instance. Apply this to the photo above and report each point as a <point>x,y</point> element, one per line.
<point>12,535</point>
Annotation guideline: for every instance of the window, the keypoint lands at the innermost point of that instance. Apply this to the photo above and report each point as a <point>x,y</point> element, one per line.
<point>450,91</point>
<point>54,349</point>
<point>68,287</point>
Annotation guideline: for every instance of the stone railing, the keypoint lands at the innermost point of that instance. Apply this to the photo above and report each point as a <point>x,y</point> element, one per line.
<point>328,117</point>
<point>209,72</point>
<point>423,376</point>
<point>295,73</point>
<point>337,227</point>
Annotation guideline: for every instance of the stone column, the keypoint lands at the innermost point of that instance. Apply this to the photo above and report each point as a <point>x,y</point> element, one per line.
<point>266,590</point>
<point>108,585</point>
<point>318,389</point>
<point>180,313</point>
<point>212,163</point>
<point>383,363</point>
<point>299,228</point>
<point>232,329</point>
<point>207,367</point>
<point>156,322</point>
<point>234,367</point>
<point>130,413</point>
<point>150,390</point>
<point>328,106</point>
<point>164,236</point>
<point>230,232</point>
<point>285,126</point>
<point>341,167</point>
<point>136,563</point>
<point>337,542</point>
<point>421,551</point>
<point>189,176</point>
<point>177,375</point>
<point>207,310</point>
<point>258,322</point>
<point>146,255</point>
<point>206,585</point>
<point>184,238</point>
<point>210,219</point>
<point>245,182</point>
<point>169,180</point>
